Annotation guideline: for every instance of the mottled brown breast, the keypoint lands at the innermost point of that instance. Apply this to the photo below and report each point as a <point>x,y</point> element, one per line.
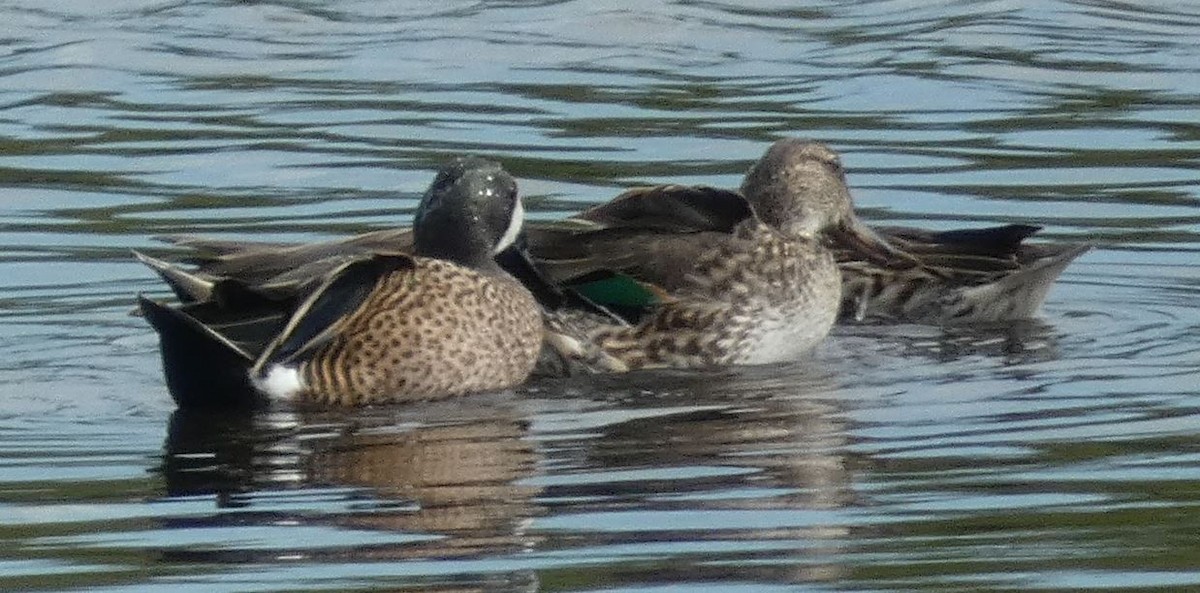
<point>738,297</point>
<point>432,331</point>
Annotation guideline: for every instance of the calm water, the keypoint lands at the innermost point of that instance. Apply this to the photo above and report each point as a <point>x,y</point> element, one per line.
<point>1061,455</point>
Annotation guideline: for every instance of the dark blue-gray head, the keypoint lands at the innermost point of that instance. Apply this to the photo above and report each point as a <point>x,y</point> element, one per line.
<point>470,213</point>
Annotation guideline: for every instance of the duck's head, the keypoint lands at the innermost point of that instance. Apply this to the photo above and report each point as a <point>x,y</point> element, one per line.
<point>470,213</point>
<point>799,188</point>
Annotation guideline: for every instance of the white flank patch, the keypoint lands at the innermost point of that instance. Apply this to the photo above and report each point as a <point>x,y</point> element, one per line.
<point>782,338</point>
<point>514,228</point>
<point>280,382</point>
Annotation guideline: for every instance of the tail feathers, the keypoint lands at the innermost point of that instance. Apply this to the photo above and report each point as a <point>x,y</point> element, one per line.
<point>188,287</point>
<point>203,368</point>
<point>1019,295</point>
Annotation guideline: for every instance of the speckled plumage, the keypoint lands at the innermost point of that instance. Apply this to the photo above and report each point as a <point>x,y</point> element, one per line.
<point>758,299</point>
<point>962,276</point>
<point>430,331</point>
<point>373,327</point>
<point>748,280</point>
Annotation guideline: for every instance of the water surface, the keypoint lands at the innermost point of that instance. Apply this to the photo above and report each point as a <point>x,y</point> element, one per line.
<point>1054,455</point>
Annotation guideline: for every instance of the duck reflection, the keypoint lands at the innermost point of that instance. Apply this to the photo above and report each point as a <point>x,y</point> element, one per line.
<point>743,476</point>
<point>1012,344</point>
<point>754,461</point>
<point>449,477</point>
<point>462,478</point>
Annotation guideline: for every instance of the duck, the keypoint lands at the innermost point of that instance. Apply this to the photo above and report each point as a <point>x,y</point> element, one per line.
<point>708,277</point>
<point>374,327</point>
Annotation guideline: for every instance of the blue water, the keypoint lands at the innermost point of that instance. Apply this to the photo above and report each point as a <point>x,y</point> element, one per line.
<point>1054,455</point>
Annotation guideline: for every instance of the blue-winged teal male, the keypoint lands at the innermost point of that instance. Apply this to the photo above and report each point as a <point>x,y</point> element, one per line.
<point>379,327</point>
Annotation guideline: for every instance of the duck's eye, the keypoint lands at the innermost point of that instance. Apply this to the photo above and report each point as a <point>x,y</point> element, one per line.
<point>443,181</point>
<point>834,164</point>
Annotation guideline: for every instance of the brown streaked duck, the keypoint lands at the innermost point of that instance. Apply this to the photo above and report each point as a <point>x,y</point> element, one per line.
<point>710,277</point>
<point>379,327</point>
